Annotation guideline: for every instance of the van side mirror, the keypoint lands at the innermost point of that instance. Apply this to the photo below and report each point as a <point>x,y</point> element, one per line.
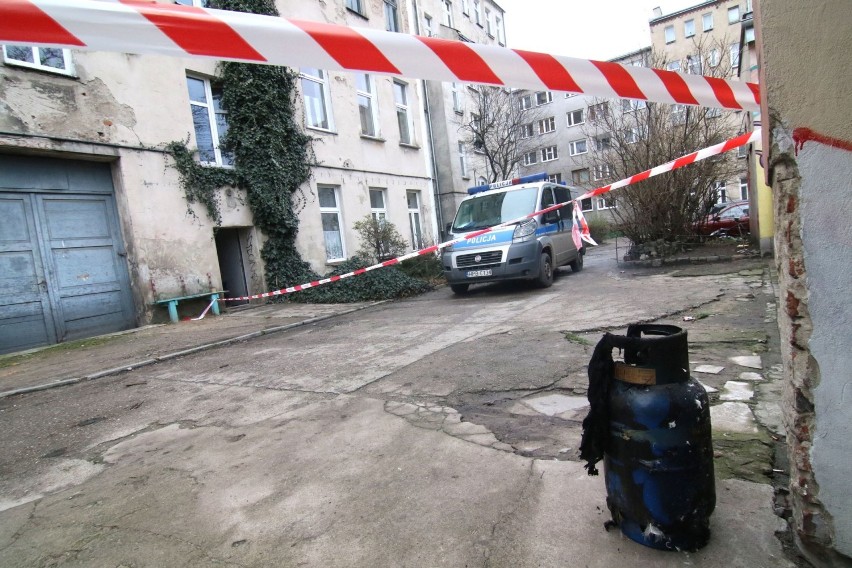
<point>448,227</point>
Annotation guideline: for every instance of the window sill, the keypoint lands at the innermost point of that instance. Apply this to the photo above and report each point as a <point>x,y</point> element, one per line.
<point>357,13</point>
<point>322,130</point>
<point>335,262</point>
<point>39,68</point>
<point>412,146</point>
<point>373,138</point>
<point>459,112</point>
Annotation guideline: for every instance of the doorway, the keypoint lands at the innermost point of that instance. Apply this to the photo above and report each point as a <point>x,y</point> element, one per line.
<point>232,267</point>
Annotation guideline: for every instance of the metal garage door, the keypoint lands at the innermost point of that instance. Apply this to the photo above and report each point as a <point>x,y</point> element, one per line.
<point>62,270</point>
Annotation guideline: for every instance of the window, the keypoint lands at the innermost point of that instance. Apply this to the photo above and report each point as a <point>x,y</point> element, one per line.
<point>749,35</point>
<point>546,125</point>
<point>525,102</point>
<point>601,171</point>
<point>501,35</point>
<point>488,27</point>
<point>331,222</point>
<point>527,130</point>
<point>598,111</point>
<point>549,154</point>
<point>577,147</point>
<point>356,6</point>
<point>673,66</point>
<point>465,7</point>
<point>317,103</point>
<point>744,188</point>
<point>478,142</point>
<point>713,112</point>
<point>586,204</point>
<point>391,16</point>
<point>555,178</point>
<point>735,55</point>
<point>458,97</point>
<point>678,114</point>
<point>603,142</point>
<point>447,7</point>
<point>400,96</point>
<point>413,198</point>
<point>721,190</point>
<point>707,22</point>
<point>733,14</point>
<point>689,28</point>
<point>427,25</point>
<point>463,159</point>
<point>742,151</point>
<point>367,107</point>
<point>693,65</point>
<point>748,7</point>
<point>199,3</point>
<point>669,33</point>
<point>630,105</point>
<point>477,12</point>
<point>713,57</point>
<point>377,204</point>
<point>530,158</point>
<point>607,201</point>
<point>210,121</point>
<point>580,176</point>
<point>543,97</point>
<point>51,59</point>
<point>576,117</point>
<point>634,134</point>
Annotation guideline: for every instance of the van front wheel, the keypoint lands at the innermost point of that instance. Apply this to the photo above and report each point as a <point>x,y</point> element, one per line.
<point>577,265</point>
<point>545,273</point>
<point>459,288</point>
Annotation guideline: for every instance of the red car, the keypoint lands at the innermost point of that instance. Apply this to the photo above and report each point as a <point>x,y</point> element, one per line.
<point>725,219</point>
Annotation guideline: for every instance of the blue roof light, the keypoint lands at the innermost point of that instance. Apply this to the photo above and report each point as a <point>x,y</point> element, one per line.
<point>508,182</point>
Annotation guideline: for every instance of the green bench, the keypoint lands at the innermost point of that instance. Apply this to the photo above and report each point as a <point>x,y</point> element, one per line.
<point>172,303</point>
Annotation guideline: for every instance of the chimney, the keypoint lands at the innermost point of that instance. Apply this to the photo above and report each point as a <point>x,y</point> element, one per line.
<point>657,12</point>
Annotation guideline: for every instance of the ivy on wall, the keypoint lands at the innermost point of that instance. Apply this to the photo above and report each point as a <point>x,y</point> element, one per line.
<point>273,159</point>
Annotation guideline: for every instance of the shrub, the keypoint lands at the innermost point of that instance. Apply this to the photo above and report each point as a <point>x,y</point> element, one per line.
<point>599,228</point>
<point>379,239</point>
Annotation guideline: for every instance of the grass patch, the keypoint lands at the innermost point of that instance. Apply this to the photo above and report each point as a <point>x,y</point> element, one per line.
<point>13,359</point>
<point>574,338</point>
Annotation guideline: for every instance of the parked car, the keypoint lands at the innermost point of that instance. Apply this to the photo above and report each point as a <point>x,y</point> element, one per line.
<point>725,219</point>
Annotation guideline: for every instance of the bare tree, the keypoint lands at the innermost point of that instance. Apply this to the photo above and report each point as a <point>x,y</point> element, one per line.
<point>629,136</point>
<point>495,128</point>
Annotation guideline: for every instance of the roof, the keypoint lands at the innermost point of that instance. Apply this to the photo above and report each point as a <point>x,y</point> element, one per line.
<point>675,15</point>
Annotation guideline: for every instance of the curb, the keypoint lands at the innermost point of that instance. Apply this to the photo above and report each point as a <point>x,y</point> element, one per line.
<point>182,353</point>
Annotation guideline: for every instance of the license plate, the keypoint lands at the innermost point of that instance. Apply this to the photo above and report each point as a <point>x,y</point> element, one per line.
<point>478,273</point>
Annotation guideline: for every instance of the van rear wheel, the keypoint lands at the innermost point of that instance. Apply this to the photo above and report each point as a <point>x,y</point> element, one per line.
<point>545,273</point>
<point>577,265</point>
<point>459,288</point>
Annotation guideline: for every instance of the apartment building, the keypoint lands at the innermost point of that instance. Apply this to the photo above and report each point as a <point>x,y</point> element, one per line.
<point>456,163</point>
<point>95,226</point>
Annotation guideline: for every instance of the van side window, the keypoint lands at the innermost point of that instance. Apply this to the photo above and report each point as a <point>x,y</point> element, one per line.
<point>563,196</point>
<point>547,197</point>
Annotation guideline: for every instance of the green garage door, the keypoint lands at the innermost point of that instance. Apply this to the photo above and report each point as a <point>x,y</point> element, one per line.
<point>63,275</point>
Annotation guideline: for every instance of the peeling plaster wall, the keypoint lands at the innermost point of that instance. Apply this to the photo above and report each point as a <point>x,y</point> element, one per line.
<point>805,76</point>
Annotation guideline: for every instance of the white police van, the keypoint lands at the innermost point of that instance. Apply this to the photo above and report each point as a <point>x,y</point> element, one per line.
<point>527,250</point>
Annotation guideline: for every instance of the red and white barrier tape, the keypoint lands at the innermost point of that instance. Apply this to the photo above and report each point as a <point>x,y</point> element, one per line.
<point>579,233</point>
<point>147,27</point>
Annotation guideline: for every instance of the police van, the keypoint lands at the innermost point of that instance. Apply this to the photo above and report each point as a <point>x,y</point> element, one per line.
<point>527,250</point>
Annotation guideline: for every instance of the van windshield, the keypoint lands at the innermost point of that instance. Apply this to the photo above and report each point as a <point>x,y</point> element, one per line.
<point>494,208</point>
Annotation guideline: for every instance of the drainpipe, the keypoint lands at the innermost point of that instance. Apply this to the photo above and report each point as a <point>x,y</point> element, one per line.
<point>439,207</point>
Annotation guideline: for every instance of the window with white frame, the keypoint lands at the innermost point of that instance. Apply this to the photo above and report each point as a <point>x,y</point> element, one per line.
<point>367,107</point>
<point>678,114</point>
<point>742,151</point>
<point>598,111</point>
<point>403,118</point>
<point>391,16</point>
<point>377,204</point>
<point>525,102</point>
<point>463,159</point>
<point>427,25</point>
<point>748,6</point>
<point>749,35</point>
<point>477,12</point>
<point>733,14</point>
<point>576,117</point>
<point>317,102</point>
<point>603,142</point>
<point>721,189</point>
<point>498,27</point>
<point>52,59</point>
<point>489,26</point>
<point>416,232</point>
<point>577,147</point>
<point>693,65</point>
<point>458,97</point>
<point>549,154</point>
<point>527,130</point>
<point>356,6</point>
<point>707,22</point>
<point>607,201</point>
<point>546,125</point>
<point>580,176</point>
<point>530,158</point>
<point>630,105</point>
<point>543,97</point>
<point>735,55</point>
<point>555,178</point>
<point>669,33</point>
<point>465,7</point>
<point>689,28</point>
<point>330,214</point>
<point>478,142</point>
<point>634,134</point>
<point>713,112</point>
<point>601,171</point>
<point>586,204</point>
<point>447,8</point>
<point>209,120</point>
<point>673,66</point>
<point>713,58</point>
<point>744,188</point>
<point>199,3</point>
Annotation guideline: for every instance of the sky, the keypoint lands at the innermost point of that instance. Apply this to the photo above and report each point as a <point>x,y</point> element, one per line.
<point>588,29</point>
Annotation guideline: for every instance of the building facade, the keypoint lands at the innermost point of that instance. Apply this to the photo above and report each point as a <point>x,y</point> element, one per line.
<point>95,226</point>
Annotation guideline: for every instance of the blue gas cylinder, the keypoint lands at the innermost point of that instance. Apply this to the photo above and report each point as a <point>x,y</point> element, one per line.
<point>658,451</point>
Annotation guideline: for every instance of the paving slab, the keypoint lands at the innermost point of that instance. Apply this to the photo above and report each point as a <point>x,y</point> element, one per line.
<point>710,369</point>
<point>750,361</point>
<point>751,376</point>
<point>553,404</point>
<point>737,390</point>
<point>733,417</point>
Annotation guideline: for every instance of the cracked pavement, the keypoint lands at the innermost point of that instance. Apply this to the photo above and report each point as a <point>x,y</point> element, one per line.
<point>435,431</point>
